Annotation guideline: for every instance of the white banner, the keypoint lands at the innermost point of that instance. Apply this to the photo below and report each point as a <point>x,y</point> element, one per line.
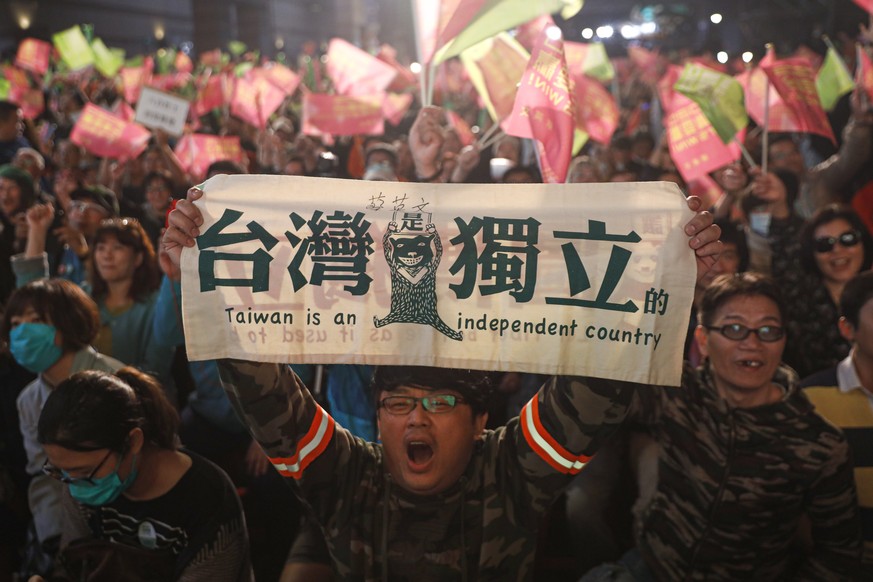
<point>579,279</point>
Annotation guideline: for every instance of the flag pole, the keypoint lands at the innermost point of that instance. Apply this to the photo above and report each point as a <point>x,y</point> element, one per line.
<point>748,157</point>
<point>492,139</point>
<point>422,76</point>
<point>488,133</point>
<point>765,141</point>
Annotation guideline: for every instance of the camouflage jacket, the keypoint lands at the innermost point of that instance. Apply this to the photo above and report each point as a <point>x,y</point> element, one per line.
<point>733,484</point>
<point>483,528</point>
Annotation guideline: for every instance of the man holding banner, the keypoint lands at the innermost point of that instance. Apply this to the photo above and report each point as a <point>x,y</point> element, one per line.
<point>439,497</point>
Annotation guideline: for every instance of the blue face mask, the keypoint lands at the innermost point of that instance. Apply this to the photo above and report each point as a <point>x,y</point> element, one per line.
<point>33,346</point>
<point>105,489</point>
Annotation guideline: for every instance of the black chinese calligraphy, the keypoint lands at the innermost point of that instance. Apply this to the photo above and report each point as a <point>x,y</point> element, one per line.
<point>413,260</point>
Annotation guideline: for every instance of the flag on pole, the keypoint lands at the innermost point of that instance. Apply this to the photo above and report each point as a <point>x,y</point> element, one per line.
<point>719,96</point>
<point>499,15</point>
<point>74,48</point>
<point>495,67</point>
<point>833,80</point>
<point>794,79</point>
<point>255,99</point>
<point>356,72</point>
<point>695,147</point>
<point>597,113</point>
<point>342,115</point>
<point>107,135</point>
<point>107,61</point>
<point>196,152</point>
<point>395,106</point>
<point>527,34</point>
<point>33,55</point>
<point>31,101</point>
<point>589,59</point>
<point>781,117</point>
<point>544,107</point>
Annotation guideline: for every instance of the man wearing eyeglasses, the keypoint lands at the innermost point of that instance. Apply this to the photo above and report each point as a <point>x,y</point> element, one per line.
<point>742,459</point>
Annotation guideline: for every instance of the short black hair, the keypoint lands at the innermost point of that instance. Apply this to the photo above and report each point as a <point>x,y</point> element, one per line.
<point>726,287</point>
<point>8,109</point>
<point>224,167</point>
<point>474,386</point>
<point>531,171</point>
<point>855,295</point>
<point>735,234</point>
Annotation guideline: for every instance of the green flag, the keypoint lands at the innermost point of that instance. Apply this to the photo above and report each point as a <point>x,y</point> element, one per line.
<point>165,61</point>
<point>236,47</point>
<point>597,63</point>
<point>74,48</point>
<point>106,60</point>
<point>833,80</point>
<point>499,15</point>
<point>719,96</point>
<point>4,88</point>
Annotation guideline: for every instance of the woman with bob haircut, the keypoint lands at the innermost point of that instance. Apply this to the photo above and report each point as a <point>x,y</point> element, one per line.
<point>49,326</point>
<point>112,439</point>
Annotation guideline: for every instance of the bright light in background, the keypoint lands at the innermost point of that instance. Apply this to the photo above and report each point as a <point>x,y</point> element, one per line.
<point>415,68</point>
<point>715,18</point>
<point>24,21</point>
<point>748,56</point>
<point>605,31</point>
<point>159,31</point>
<point>587,33</point>
<point>553,32</point>
<point>280,43</point>
<point>630,31</point>
<point>648,27</point>
<point>722,57</point>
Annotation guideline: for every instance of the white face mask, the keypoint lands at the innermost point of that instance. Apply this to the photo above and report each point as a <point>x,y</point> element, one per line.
<point>759,222</point>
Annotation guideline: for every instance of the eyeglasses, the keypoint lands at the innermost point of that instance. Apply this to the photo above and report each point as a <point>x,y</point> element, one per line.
<point>437,404</point>
<point>826,244</point>
<point>738,332</point>
<point>64,477</point>
<point>82,206</point>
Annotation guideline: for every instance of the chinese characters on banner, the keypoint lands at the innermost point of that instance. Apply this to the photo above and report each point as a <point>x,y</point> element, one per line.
<point>794,79</point>
<point>543,278</point>
<point>33,55</point>
<point>104,134</point>
<point>694,145</point>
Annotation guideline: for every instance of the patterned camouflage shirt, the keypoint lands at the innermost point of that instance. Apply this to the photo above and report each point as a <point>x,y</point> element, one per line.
<point>733,484</point>
<point>482,528</point>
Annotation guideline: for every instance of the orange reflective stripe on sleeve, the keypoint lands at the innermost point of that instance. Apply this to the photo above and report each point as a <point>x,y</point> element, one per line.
<point>544,445</point>
<point>310,446</point>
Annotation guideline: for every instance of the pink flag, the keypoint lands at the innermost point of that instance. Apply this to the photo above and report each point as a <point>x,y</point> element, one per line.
<point>527,33</point>
<point>647,62</point>
<point>183,63</point>
<point>356,72</point>
<point>197,151</point>
<point>33,55</point>
<point>124,111</point>
<point>211,58</point>
<point>439,21</point>
<point>255,99</point>
<point>210,97</point>
<point>107,135</point>
<point>280,76</point>
<point>781,117</point>
<point>456,122</point>
<point>544,108</point>
<point>16,77</point>
<point>31,101</point>
<point>864,73</point>
<point>405,78</point>
<point>496,74</point>
<point>666,93</point>
<point>866,5</point>
<point>169,81</point>
<point>694,145</point>
<point>794,79</point>
<point>596,110</point>
<point>132,81</point>
<point>342,115</point>
<point>395,106</point>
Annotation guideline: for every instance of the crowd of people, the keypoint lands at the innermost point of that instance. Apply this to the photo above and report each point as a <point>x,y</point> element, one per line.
<point>117,454</point>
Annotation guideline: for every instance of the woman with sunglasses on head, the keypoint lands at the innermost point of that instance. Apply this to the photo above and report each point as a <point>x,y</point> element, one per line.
<point>158,510</point>
<point>48,326</point>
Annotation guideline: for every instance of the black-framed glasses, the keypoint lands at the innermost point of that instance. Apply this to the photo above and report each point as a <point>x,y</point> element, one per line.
<point>739,332</point>
<point>64,477</point>
<point>437,403</point>
<point>825,244</point>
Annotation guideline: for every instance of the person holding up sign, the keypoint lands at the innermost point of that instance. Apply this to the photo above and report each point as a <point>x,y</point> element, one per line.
<point>440,495</point>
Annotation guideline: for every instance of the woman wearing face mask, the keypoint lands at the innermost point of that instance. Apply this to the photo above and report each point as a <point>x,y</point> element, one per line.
<point>165,512</point>
<point>49,326</point>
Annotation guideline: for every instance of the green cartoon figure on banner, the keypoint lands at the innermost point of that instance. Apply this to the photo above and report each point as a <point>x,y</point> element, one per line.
<point>413,256</point>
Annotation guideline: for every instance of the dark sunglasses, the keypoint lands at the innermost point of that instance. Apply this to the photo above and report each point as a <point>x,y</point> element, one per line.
<point>826,244</point>
<point>738,332</point>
